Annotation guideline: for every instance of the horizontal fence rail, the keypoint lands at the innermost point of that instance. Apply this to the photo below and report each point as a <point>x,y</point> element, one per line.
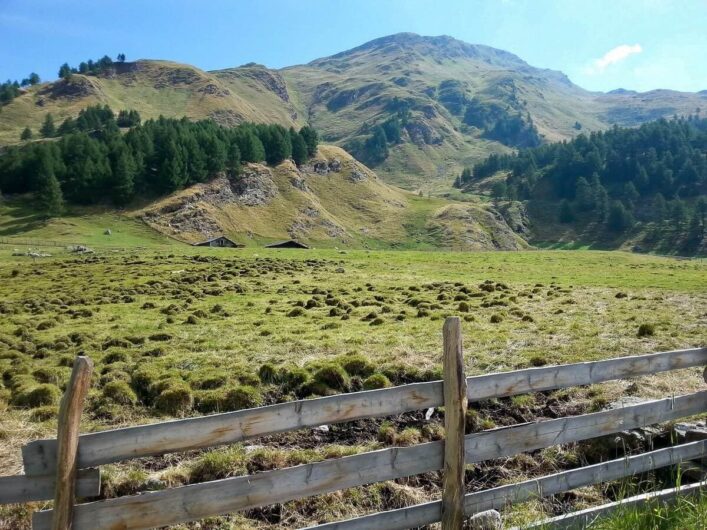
<point>22,488</point>
<point>499,497</point>
<point>196,501</point>
<point>580,520</point>
<point>39,457</point>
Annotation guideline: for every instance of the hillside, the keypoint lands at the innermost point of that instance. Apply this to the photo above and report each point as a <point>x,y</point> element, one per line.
<point>642,188</point>
<point>442,103</point>
<point>333,200</point>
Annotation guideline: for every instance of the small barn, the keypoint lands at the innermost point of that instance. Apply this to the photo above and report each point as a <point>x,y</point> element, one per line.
<point>290,243</point>
<point>221,241</point>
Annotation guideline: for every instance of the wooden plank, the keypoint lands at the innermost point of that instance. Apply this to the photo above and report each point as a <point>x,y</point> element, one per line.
<point>584,518</point>
<point>231,427</point>
<point>507,441</point>
<point>105,447</point>
<point>21,488</point>
<point>553,377</point>
<point>68,442</point>
<point>196,501</point>
<point>455,403</point>
<point>499,497</point>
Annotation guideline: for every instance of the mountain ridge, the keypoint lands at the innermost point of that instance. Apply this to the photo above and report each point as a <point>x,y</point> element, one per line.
<point>447,103</point>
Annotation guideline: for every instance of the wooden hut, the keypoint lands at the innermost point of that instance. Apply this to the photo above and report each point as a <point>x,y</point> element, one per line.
<point>220,241</point>
<point>290,243</point>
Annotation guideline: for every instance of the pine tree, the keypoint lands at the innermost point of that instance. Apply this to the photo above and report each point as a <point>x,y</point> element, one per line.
<point>49,194</point>
<point>499,190</point>
<point>124,172</point>
<point>299,148</point>
<point>660,208</point>
<point>278,147</point>
<point>310,137</point>
<point>26,134</point>
<point>678,212</point>
<point>233,159</point>
<point>620,218</point>
<point>377,146</point>
<point>601,202</point>
<point>566,215</point>
<point>584,194</point>
<point>252,149</point>
<point>48,129</point>
<point>65,71</point>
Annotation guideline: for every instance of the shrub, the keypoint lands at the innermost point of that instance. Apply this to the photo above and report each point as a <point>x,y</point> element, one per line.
<point>142,381</point>
<point>208,401</point>
<point>496,319</point>
<point>40,395</point>
<point>175,399</point>
<point>210,381</point>
<point>242,397</point>
<point>357,365</point>
<point>314,388</point>
<point>218,464</point>
<point>646,330</point>
<point>376,381</point>
<point>377,322</point>
<point>119,343</point>
<point>116,357</point>
<point>409,436</point>
<point>292,377</point>
<point>44,413</point>
<point>387,433</point>
<point>333,376</point>
<point>463,307</point>
<point>296,312</point>
<point>267,373</point>
<point>119,392</point>
<point>537,361</point>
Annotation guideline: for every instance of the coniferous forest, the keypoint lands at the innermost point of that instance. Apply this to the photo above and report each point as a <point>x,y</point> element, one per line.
<point>614,180</point>
<point>89,159</point>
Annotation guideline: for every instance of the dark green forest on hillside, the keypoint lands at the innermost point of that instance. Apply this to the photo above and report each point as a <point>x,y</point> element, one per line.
<point>93,161</point>
<point>614,181</point>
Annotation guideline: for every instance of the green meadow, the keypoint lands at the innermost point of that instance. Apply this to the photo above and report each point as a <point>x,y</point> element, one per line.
<point>177,331</point>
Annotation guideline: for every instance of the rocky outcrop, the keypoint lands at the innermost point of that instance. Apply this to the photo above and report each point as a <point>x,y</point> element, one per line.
<point>269,79</point>
<point>76,87</point>
<point>255,186</point>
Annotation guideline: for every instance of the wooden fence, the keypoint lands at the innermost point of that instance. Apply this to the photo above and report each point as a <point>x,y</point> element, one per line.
<point>75,458</point>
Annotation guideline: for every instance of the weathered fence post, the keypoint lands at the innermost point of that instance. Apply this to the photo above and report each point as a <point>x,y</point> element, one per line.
<point>68,441</point>
<point>455,403</point>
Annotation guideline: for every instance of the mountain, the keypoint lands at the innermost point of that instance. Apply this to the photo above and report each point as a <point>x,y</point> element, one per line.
<point>442,104</point>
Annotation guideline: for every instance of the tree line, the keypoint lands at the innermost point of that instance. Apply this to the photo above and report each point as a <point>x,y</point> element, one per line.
<point>9,90</point>
<point>653,173</point>
<point>92,161</point>
<point>90,67</point>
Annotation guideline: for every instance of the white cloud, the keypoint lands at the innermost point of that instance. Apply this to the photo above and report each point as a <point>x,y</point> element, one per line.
<point>613,56</point>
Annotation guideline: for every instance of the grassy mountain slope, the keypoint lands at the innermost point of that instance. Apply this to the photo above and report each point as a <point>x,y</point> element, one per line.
<point>332,201</point>
<point>444,86</point>
<point>153,88</point>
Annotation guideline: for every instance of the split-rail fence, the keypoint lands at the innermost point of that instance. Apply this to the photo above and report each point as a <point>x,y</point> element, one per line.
<point>67,468</point>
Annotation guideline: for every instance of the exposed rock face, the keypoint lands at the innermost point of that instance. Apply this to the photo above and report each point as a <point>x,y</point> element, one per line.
<point>422,134</point>
<point>270,79</point>
<point>324,167</point>
<point>255,186</point>
<point>227,118</point>
<point>76,87</point>
<point>214,90</point>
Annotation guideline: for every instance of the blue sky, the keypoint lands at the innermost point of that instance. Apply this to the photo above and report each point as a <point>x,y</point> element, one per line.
<point>600,44</point>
